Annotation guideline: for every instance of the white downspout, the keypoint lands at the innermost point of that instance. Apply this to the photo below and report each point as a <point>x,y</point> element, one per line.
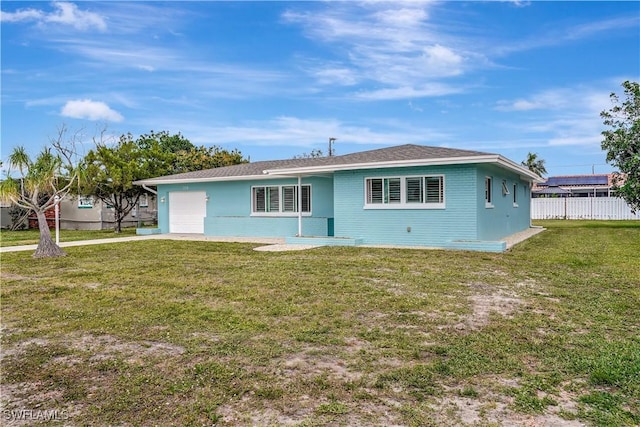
<point>299,205</point>
<point>150,190</point>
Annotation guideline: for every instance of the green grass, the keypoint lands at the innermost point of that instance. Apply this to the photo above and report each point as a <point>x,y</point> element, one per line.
<point>196,333</point>
<point>31,237</point>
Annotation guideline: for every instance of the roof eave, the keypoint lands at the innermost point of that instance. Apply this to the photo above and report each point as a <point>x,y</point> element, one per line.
<point>160,181</point>
<point>382,165</point>
<point>524,173</point>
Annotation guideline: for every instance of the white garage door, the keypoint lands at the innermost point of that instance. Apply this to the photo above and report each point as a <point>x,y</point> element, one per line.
<point>187,210</point>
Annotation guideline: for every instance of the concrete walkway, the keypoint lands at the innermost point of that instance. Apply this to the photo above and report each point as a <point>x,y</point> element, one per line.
<point>514,239</point>
<point>192,237</point>
<point>271,244</point>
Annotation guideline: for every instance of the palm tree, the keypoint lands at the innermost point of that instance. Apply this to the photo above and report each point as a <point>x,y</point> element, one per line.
<point>40,180</point>
<point>534,164</point>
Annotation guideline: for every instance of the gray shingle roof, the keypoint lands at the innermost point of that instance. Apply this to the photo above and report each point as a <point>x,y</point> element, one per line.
<point>381,155</point>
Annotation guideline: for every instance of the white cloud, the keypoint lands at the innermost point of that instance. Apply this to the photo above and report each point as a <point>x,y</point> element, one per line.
<point>65,13</point>
<point>90,110</point>
<point>568,116</point>
<point>394,47</point>
<point>409,92</point>
<point>22,15</point>
<point>402,18</point>
<point>305,133</point>
<point>342,76</point>
<point>566,99</point>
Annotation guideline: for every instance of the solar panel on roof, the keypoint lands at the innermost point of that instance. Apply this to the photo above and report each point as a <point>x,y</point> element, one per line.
<point>578,180</point>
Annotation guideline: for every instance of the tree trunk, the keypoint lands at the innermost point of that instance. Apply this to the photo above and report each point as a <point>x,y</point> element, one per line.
<point>46,246</point>
<point>118,218</point>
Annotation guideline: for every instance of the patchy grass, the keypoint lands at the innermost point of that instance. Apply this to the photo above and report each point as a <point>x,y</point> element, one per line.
<point>31,237</point>
<point>197,333</point>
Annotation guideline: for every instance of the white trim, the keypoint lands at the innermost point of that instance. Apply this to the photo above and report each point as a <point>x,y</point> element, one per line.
<point>156,181</point>
<point>488,192</point>
<point>281,212</point>
<point>279,173</point>
<point>489,158</point>
<point>403,204</point>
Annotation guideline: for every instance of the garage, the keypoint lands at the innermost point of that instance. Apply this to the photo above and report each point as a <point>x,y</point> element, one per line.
<point>187,210</point>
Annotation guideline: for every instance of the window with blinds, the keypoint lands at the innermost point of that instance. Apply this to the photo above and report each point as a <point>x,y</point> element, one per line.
<point>280,199</point>
<point>415,192</point>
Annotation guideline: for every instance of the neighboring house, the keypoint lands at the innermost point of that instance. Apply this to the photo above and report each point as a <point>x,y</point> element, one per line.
<point>595,185</point>
<point>88,213</point>
<point>5,217</point>
<point>407,195</point>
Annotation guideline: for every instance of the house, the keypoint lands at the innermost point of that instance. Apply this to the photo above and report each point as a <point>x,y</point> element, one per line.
<point>88,213</point>
<point>407,195</point>
<point>595,185</point>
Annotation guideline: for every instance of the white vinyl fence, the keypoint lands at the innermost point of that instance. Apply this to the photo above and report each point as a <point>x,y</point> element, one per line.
<point>581,208</point>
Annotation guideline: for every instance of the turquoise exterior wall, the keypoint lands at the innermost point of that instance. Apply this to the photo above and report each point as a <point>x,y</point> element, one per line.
<point>229,208</point>
<point>163,201</point>
<point>504,218</point>
<point>338,208</point>
<point>412,227</point>
<point>464,223</point>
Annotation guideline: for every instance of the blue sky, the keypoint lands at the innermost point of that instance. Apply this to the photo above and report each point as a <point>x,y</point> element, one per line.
<point>275,79</point>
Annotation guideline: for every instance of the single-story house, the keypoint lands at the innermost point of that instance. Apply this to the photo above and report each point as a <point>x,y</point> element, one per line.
<point>594,185</point>
<point>407,195</point>
<point>90,213</point>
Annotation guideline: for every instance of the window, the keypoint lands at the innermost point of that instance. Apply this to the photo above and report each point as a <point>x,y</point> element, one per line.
<point>280,199</point>
<point>414,192</point>
<point>435,189</point>
<point>290,198</point>
<point>488,191</point>
<point>505,188</point>
<point>515,195</point>
<point>85,201</point>
<point>143,201</point>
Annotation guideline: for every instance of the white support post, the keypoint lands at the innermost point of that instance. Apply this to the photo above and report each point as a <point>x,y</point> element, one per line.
<point>57,214</point>
<point>299,206</point>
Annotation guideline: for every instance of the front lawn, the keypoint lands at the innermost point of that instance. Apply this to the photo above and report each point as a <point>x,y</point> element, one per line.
<point>196,333</point>
<point>31,237</point>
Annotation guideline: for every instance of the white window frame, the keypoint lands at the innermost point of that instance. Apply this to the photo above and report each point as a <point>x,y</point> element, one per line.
<point>388,199</point>
<point>85,202</point>
<point>283,209</point>
<point>488,192</point>
<point>515,195</point>
<point>143,201</point>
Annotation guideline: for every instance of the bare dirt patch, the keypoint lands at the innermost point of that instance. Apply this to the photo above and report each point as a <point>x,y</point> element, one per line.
<point>485,300</point>
<point>490,407</point>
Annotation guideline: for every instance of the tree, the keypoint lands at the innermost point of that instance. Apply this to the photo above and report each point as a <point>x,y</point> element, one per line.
<point>622,143</point>
<point>186,157</point>
<point>201,158</point>
<point>534,164</point>
<point>316,152</point>
<point>111,170</point>
<point>51,173</point>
